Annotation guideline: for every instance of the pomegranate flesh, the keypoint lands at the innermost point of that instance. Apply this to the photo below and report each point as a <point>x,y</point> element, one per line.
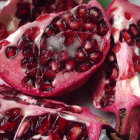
<point>57,53</point>
<point>24,117</point>
<point>14,13</point>
<point>118,88</point>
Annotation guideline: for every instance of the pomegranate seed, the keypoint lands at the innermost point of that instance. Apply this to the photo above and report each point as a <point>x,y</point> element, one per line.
<point>54,66</point>
<point>75,132</point>
<point>61,56</point>
<point>84,67</point>
<point>96,57</point>
<point>102,29</point>
<point>45,56</point>
<point>90,46</point>
<point>137,65</point>
<point>133,30</point>
<point>3,31</point>
<point>81,13</point>
<point>69,37</point>
<point>106,101</point>
<point>70,65</point>
<point>111,57</point>
<point>56,137</point>
<point>127,15</point>
<point>62,123</point>
<point>75,25</point>
<point>11,51</point>
<point>67,16</point>
<point>23,43</point>
<point>92,27</point>
<point>9,126</point>
<point>95,14</point>
<point>109,89</point>
<point>127,37</point>
<point>28,81</point>
<point>82,37</point>
<point>44,124</point>
<point>32,33</point>
<point>49,31</point>
<point>49,74</point>
<point>117,48</point>
<point>80,56</point>
<point>114,74</point>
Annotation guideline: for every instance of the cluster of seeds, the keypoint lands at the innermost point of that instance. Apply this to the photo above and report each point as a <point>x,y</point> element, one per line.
<point>132,37</point>
<point>69,44</point>
<point>112,73</point>
<point>44,125</point>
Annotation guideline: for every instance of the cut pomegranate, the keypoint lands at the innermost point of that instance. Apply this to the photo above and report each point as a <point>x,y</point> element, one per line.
<point>14,13</point>
<point>24,117</point>
<point>48,57</point>
<point>118,80</point>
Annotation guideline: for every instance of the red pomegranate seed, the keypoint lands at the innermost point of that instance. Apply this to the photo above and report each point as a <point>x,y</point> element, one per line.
<point>137,65</point>
<point>70,65</point>
<point>90,46</point>
<point>32,33</point>
<point>111,57</point>
<point>127,15</point>
<point>54,66</point>
<point>62,123</point>
<point>75,132</point>
<point>11,51</point>
<point>102,29</point>
<point>3,31</point>
<point>109,89</point>
<point>69,37</point>
<point>75,25</point>
<point>92,27</point>
<point>80,56</point>
<point>133,30</point>
<point>45,123</point>
<point>9,126</point>
<point>96,57</point>
<point>84,67</point>
<point>49,74</point>
<point>117,48</point>
<point>81,12</point>
<point>49,31</point>
<point>114,74</point>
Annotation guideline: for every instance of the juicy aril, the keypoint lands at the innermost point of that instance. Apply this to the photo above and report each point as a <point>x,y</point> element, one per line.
<point>57,53</point>
<point>24,117</point>
<point>118,88</point>
<point>14,13</point>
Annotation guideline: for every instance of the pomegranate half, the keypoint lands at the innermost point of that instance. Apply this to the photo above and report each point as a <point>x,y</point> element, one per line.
<point>118,80</point>
<point>57,53</point>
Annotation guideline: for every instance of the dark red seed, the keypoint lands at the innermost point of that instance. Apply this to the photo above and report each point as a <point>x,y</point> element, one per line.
<point>81,13</point>
<point>133,30</point>
<point>90,46</point>
<point>45,56</point>
<point>11,51</point>
<point>28,81</point>
<point>95,14</point>
<point>80,56</point>
<point>106,101</point>
<point>45,85</point>
<point>84,67</point>
<point>49,74</point>
<point>32,33</point>
<point>49,31</point>
<point>75,25</point>
<point>102,29</point>
<point>116,48</point>
<point>126,36</point>
<point>127,15</point>
<point>70,65</point>
<point>114,74</point>
<point>109,89</point>
<point>96,57</point>
<point>9,126</point>
<point>69,37</point>
<point>91,27</point>
<point>3,31</point>
<point>23,43</point>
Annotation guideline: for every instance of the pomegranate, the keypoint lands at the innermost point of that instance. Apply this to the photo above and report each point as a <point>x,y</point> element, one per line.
<point>57,53</point>
<point>14,13</point>
<point>118,80</point>
<point>24,117</point>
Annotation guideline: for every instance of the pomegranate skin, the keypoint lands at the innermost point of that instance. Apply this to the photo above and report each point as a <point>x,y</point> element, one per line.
<point>63,83</point>
<point>121,97</point>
